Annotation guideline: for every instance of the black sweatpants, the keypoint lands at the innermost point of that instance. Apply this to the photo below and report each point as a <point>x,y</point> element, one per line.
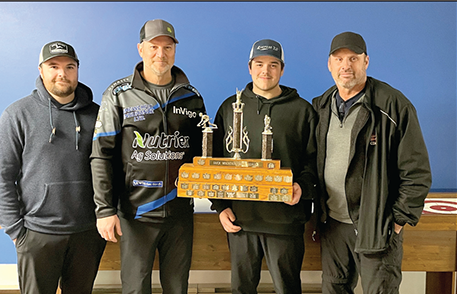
<point>139,242</point>
<point>43,259</point>
<point>283,255</point>
<point>341,266</point>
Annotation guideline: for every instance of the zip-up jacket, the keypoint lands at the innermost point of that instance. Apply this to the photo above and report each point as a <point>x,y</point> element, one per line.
<point>293,123</point>
<point>45,178</point>
<point>139,145</point>
<point>389,175</point>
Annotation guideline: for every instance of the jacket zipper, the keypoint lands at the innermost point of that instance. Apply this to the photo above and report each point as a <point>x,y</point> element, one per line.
<point>167,164</point>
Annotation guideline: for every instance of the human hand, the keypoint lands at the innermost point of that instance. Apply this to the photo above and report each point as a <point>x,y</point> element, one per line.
<point>227,217</point>
<point>398,228</point>
<point>296,194</point>
<point>107,226</point>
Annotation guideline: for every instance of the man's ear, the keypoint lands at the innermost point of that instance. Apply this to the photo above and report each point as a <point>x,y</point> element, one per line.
<point>140,49</point>
<point>41,71</point>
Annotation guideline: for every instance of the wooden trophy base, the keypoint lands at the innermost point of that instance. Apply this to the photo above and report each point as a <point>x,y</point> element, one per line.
<point>235,179</point>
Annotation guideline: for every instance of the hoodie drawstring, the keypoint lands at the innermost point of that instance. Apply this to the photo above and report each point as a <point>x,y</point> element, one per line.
<point>78,130</point>
<point>53,129</point>
<point>260,104</point>
<point>53,132</point>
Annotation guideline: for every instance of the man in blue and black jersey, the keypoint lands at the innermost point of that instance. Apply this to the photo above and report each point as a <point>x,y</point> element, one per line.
<point>146,129</point>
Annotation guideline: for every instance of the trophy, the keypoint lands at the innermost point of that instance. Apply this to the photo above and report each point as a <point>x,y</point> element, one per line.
<point>237,136</point>
<point>235,178</point>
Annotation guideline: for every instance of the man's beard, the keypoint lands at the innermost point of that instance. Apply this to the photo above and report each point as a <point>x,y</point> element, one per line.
<point>62,91</point>
<point>162,71</point>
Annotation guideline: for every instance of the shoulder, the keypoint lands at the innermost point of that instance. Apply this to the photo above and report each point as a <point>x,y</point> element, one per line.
<point>93,107</point>
<point>227,102</point>
<point>320,100</point>
<point>22,110</point>
<point>120,85</point>
<point>384,94</point>
<point>295,101</point>
<point>192,89</point>
<point>27,102</point>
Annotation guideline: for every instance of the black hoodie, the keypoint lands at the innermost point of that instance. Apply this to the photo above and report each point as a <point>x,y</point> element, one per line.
<point>293,122</point>
<point>45,177</point>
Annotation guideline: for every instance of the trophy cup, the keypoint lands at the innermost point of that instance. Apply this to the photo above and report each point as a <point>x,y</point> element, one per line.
<point>235,178</point>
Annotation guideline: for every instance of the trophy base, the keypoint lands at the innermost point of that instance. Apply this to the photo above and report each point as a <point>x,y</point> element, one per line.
<point>235,179</point>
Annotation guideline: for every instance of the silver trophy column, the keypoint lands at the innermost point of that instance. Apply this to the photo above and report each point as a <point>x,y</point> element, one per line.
<point>267,139</point>
<point>237,136</point>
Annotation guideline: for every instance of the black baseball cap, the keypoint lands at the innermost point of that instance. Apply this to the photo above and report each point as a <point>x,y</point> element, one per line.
<point>267,47</point>
<point>155,28</point>
<point>55,49</point>
<point>349,40</point>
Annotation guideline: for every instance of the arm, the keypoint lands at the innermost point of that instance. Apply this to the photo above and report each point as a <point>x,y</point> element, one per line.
<point>106,166</point>
<point>219,151</point>
<point>11,147</point>
<point>307,178</point>
<point>413,169</point>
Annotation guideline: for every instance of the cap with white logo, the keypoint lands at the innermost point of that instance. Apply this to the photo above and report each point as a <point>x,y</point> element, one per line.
<point>55,49</point>
<point>267,47</point>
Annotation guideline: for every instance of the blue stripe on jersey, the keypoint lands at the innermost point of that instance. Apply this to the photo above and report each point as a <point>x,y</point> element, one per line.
<point>107,134</point>
<point>156,203</point>
<point>181,97</point>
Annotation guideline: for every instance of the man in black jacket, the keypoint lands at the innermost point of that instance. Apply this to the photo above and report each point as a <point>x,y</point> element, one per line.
<point>146,129</point>
<point>374,173</point>
<point>271,229</point>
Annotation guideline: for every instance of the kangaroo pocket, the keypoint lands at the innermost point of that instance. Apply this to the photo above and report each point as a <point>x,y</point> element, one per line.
<point>65,204</point>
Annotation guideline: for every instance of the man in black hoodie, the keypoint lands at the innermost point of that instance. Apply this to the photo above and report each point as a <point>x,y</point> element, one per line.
<point>271,229</point>
<point>46,194</point>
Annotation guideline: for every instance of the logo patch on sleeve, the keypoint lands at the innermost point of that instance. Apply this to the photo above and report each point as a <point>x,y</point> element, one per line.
<point>122,87</point>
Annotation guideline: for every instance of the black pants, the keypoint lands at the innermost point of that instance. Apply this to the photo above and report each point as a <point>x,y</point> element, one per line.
<point>43,259</point>
<point>139,243</point>
<point>283,255</point>
<point>380,273</point>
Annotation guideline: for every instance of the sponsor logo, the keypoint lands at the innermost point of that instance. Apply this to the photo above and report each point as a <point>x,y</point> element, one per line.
<point>138,112</point>
<point>184,111</point>
<point>58,48</point>
<point>153,156</point>
<point>122,87</point>
<point>267,47</point>
<point>162,141</point>
<point>148,184</point>
<point>98,124</point>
